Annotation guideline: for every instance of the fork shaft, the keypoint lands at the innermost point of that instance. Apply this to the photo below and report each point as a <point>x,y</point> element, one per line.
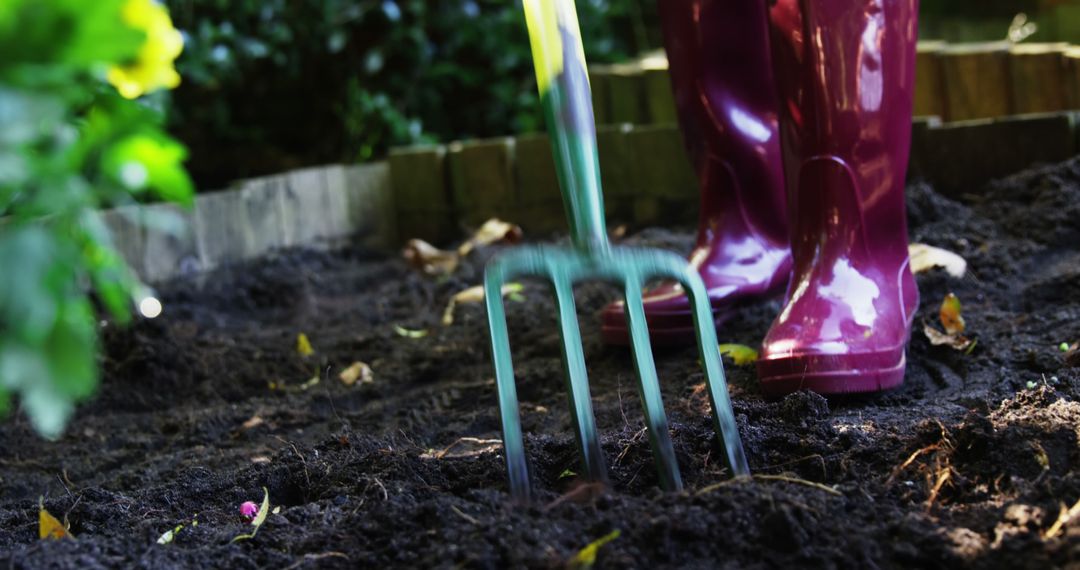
<point>513,444</point>
<point>649,388</point>
<point>577,384</point>
<point>727,430</point>
<point>563,82</point>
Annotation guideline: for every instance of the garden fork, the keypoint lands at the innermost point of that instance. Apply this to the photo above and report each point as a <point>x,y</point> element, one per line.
<point>564,91</point>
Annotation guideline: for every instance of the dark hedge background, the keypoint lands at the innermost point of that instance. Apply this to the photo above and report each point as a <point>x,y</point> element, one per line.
<point>271,85</point>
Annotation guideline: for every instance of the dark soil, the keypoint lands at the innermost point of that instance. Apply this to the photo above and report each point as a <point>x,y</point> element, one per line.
<point>967,465</point>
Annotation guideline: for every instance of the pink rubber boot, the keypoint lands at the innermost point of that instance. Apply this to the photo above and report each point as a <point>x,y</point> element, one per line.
<point>845,70</point>
<point>718,54</point>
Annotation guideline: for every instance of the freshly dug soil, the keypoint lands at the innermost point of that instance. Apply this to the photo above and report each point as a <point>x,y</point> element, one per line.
<point>967,465</point>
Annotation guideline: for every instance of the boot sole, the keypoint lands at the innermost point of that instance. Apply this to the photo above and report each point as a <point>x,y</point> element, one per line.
<point>851,379</point>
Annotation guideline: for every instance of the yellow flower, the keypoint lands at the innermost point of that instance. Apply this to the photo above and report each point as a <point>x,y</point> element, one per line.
<point>153,66</point>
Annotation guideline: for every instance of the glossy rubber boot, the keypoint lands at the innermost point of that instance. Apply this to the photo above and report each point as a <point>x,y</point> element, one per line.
<point>845,70</point>
<point>718,54</point>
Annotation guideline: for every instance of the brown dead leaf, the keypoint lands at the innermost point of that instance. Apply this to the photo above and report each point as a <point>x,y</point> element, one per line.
<point>429,259</point>
<point>926,257</point>
<point>464,447</point>
<point>581,493</point>
<point>953,321</point>
<point>357,372</point>
<point>253,421</point>
<point>950,315</point>
<point>474,295</point>
<point>493,230</point>
<point>956,341</point>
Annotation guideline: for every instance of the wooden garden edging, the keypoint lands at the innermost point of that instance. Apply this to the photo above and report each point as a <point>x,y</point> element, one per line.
<point>314,207</point>
<point>955,82</point>
<point>648,179</point>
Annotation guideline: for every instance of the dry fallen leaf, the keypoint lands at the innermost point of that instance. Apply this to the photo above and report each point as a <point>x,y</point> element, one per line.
<point>950,315</point>
<point>303,345</point>
<point>586,557</point>
<point>167,536</point>
<point>474,295</point>
<point>357,371</point>
<point>428,258</point>
<point>253,421</point>
<point>49,528</point>
<point>410,333</point>
<point>740,354</point>
<point>464,447</point>
<point>926,257</point>
<point>938,338</point>
<point>492,231</point>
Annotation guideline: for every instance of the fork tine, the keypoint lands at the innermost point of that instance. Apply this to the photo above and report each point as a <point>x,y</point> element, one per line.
<point>577,382</point>
<point>649,388</point>
<point>723,415</point>
<point>513,445</point>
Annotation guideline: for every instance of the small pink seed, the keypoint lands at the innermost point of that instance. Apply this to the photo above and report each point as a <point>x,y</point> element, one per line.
<point>249,509</point>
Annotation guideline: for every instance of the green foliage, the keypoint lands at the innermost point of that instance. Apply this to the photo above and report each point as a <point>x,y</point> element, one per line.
<point>69,144</point>
<point>269,84</point>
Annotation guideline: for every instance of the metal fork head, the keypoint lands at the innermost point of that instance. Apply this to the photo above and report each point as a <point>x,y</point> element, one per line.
<point>631,269</point>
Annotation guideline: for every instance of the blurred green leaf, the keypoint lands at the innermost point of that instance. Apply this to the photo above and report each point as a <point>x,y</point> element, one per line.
<point>28,309</point>
<point>152,161</point>
<point>72,348</point>
<point>68,33</point>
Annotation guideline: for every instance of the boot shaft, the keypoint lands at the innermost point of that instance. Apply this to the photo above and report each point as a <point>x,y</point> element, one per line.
<point>718,56</point>
<point>845,74</point>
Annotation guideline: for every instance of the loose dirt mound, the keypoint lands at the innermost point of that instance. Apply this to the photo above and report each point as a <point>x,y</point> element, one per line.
<point>967,465</point>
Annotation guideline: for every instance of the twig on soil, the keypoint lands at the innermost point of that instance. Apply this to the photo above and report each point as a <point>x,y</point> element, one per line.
<point>634,478</point>
<point>63,484</point>
<point>911,459</point>
<point>798,481</point>
<point>307,475</point>
<point>636,438</point>
<point>488,446</point>
<point>468,518</point>
<point>313,557</point>
<point>1062,520</point>
<point>385,495</point>
<point>622,410</point>
<point>938,471</point>
<point>784,478</point>
<point>583,493</point>
<point>943,476</point>
<point>818,456</point>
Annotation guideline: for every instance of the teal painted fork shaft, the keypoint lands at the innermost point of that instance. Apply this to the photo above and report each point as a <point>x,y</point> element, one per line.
<point>563,81</point>
<point>649,389</point>
<point>577,384</point>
